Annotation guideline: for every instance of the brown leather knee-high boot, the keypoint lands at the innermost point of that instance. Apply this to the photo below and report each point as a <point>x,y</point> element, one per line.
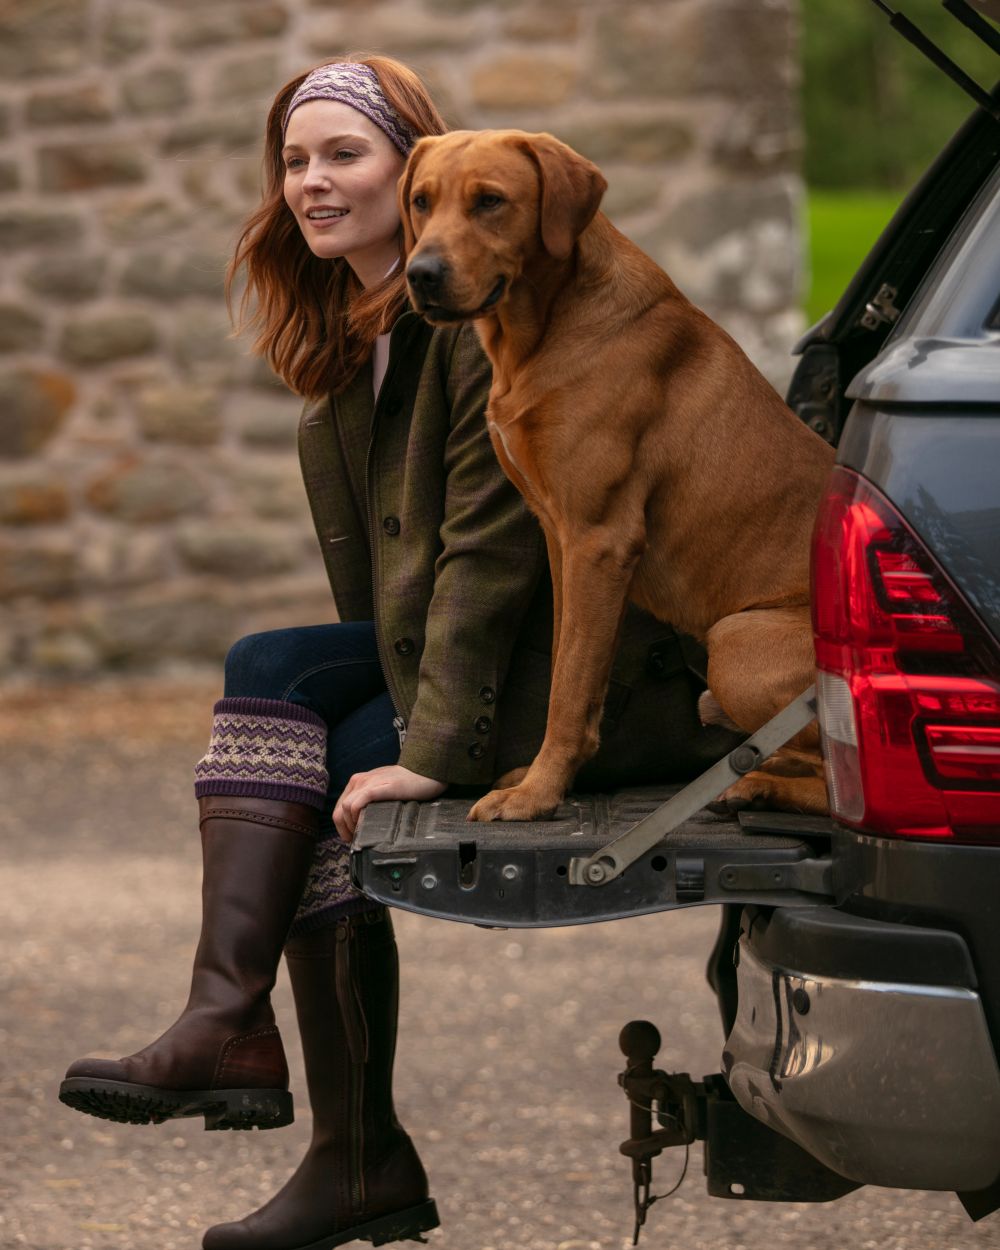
<point>361,1177</point>
<point>223,1057</point>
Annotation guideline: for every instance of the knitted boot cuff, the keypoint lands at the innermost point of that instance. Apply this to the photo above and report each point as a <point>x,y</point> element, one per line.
<point>267,749</point>
<point>328,893</point>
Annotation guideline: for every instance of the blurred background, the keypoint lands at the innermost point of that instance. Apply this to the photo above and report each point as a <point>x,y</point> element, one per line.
<point>150,506</point>
<point>874,114</point>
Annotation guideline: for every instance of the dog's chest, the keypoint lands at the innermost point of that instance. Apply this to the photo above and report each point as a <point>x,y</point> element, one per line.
<point>513,453</point>
<point>506,448</point>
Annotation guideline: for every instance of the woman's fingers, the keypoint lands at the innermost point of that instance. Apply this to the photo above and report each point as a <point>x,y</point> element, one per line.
<point>361,797</point>
<point>358,793</point>
<point>390,781</point>
<point>354,781</point>
<point>341,819</point>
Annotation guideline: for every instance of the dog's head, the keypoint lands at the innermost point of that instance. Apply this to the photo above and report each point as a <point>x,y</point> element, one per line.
<point>478,206</point>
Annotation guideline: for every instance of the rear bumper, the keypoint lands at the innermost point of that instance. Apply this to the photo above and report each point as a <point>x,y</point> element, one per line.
<point>887,1081</point>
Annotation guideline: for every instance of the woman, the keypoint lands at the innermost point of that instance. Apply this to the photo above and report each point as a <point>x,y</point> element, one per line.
<point>437,675</point>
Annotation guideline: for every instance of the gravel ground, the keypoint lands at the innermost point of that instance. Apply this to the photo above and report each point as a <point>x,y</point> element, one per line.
<point>507,1057</point>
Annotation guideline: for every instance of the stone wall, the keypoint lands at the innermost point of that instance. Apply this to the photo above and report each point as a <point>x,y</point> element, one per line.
<point>150,507</point>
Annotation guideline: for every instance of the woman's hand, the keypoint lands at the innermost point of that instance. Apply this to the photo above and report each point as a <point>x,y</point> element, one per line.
<point>381,785</point>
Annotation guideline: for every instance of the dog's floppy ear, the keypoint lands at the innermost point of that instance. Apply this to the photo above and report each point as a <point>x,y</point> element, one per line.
<point>571,191</point>
<point>403,193</point>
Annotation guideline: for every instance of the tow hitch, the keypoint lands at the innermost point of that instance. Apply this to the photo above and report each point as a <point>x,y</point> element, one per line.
<point>743,1158</point>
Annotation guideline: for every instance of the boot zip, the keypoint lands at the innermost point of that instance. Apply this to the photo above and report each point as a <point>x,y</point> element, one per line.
<point>348,998</point>
<point>357,1135</point>
<point>356,1031</point>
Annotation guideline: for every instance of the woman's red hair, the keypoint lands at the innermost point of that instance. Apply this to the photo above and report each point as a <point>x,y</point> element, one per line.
<point>316,324</point>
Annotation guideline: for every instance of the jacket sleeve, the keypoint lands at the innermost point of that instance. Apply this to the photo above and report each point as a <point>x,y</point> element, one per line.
<point>492,555</point>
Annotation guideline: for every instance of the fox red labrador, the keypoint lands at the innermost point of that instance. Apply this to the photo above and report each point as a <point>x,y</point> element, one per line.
<point>663,467</point>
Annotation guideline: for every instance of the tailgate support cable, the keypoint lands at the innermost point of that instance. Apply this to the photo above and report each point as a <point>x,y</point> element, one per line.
<point>610,861</point>
<point>968,17</point>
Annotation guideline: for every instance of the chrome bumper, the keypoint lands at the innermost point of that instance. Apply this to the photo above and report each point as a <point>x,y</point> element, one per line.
<point>887,1084</point>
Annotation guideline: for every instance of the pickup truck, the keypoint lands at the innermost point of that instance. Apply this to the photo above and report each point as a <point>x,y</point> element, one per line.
<point>857,968</point>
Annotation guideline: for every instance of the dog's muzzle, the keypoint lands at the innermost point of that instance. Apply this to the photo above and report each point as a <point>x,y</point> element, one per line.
<point>427,276</point>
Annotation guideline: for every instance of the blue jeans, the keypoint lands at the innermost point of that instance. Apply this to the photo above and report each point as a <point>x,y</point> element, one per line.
<point>334,671</point>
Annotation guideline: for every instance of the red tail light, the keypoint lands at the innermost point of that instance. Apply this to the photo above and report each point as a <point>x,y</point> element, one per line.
<point>908,678</point>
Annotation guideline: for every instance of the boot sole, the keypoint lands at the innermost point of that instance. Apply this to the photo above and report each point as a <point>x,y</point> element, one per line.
<point>400,1226</point>
<point>146,1104</point>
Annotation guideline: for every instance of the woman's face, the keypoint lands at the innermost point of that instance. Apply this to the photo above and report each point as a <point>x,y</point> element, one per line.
<point>340,183</point>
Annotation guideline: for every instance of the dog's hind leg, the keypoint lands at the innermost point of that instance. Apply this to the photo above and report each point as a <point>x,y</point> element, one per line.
<point>710,712</point>
<point>792,762</point>
<point>766,791</point>
<point>758,662</point>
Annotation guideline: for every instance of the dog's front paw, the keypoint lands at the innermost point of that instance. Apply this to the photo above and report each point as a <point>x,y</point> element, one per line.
<point>518,803</point>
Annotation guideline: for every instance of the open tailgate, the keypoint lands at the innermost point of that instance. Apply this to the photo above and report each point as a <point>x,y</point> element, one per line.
<point>427,858</point>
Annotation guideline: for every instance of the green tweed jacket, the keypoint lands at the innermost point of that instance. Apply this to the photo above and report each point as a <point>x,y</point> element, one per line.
<point>422,533</point>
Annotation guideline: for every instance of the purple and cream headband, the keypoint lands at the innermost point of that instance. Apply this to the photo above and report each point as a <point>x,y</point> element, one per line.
<point>357,85</point>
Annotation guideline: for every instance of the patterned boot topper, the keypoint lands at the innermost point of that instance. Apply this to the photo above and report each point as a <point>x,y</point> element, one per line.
<point>328,892</point>
<point>265,748</point>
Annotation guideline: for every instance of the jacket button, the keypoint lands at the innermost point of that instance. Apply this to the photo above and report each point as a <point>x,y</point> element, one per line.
<point>487,694</point>
<point>483,725</point>
<point>476,750</point>
<point>403,646</point>
<point>391,525</point>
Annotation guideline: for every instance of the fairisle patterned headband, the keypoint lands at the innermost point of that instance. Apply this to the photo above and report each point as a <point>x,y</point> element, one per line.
<point>358,86</point>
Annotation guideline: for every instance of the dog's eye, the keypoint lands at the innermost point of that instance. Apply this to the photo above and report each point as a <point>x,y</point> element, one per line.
<point>419,202</point>
<point>489,201</point>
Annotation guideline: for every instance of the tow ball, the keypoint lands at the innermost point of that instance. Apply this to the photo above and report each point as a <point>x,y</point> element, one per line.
<point>674,1100</point>
<point>743,1158</point>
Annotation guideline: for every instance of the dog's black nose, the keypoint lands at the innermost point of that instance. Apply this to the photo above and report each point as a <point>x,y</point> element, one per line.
<point>426,275</point>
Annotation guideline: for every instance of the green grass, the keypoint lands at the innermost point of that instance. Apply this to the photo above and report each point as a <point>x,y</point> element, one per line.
<point>842,227</point>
